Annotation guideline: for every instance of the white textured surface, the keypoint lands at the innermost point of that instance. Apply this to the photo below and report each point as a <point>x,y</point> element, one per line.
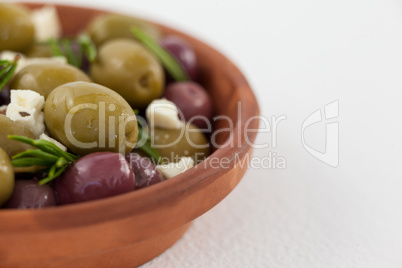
<point>300,56</point>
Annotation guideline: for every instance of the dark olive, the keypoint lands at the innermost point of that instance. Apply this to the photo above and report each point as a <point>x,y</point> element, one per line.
<point>183,53</point>
<point>125,66</point>
<point>193,101</point>
<point>45,77</point>
<point>111,26</point>
<point>16,27</point>
<point>87,117</point>
<point>9,127</point>
<point>95,176</point>
<point>187,141</point>
<point>6,177</point>
<point>146,174</point>
<point>28,194</point>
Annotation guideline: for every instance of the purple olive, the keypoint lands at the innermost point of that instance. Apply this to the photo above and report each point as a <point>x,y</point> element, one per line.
<point>95,176</point>
<point>192,100</point>
<point>29,194</point>
<point>5,96</point>
<point>183,53</point>
<point>145,172</point>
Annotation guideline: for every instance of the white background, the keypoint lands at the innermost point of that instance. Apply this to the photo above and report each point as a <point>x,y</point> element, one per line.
<point>299,56</point>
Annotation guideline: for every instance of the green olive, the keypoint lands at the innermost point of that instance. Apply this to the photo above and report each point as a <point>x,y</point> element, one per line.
<point>45,77</point>
<point>172,144</point>
<point>39,50</point>
<point>9,127</point>
<point>16,27</point>
<point>112,26</point>
<point>6,177</point>
<point>125,66</point>
<point>88,117</point>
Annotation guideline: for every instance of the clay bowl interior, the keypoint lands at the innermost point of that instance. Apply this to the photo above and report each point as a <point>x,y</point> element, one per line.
<point>131,229</point>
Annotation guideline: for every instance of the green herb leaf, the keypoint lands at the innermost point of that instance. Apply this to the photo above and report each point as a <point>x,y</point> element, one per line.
<point>30,161</point>
<point>48,156</point>
<point>167,60</point>
<point>62,47</point>
<point>6,67</point>
<point>88,46</point>
<point>2,62</point>
<point>54,175</point>
<point>147,148</point>
<point>36,153</point>
<point>54,46</point>
<point>7,73</point>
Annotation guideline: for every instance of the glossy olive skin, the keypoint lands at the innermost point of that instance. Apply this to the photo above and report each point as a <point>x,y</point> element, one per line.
<point>6,177</point>
<point>193,101</point>
<point>5,96</point>
<point>9,127</point>
<point>95,176</point>
<point>86,118</point>
<point>173,144</point>
<point>183,53</point>
<point>45,77</point>
<point>112,26</point>
<point>16,28</point>
<point>28,194</point>
<point>145,171</point>
<point>125,66</point>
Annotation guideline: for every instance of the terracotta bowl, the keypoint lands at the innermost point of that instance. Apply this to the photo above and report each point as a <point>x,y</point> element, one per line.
<point>131,229</point>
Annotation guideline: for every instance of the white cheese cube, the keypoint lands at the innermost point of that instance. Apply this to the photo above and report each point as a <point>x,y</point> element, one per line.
<point>163,113</point>
<point>46,23</point>
<point>45,137</point>
<point>173,169</point>
<point>26,107</point>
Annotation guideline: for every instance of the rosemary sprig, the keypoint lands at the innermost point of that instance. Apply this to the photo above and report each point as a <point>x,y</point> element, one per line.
<point>63,47</point>
<point>7,71</point>
<point>88,47</point>
<point>47,155</point>
<point>167,60</point>
<point>146,146</point>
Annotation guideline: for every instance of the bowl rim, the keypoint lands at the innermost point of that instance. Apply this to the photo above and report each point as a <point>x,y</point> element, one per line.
<point>187,182</point>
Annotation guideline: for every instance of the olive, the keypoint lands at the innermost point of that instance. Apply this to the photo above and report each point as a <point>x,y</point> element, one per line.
<point>145,172</point>
<point>6,177</point>
<point>29,194</point>
<point>16,27</point>
<point>5,96</point>
<point>111,26</point>
<point>9,127</point>
<point>95,176</point>
<point>39,50</point>
<point>183,53</point>
<point>87,117</point>
<point>172,144</point>
<point>192,100</point>
<point>45,77</point>
<point>125,66</point>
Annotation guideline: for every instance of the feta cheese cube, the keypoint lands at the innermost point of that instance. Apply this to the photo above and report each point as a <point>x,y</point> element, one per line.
<point>46,23</point>
<point>173,169</point>
<point>45,137</point>
<point>26,107</point>
<point>163,113</point>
